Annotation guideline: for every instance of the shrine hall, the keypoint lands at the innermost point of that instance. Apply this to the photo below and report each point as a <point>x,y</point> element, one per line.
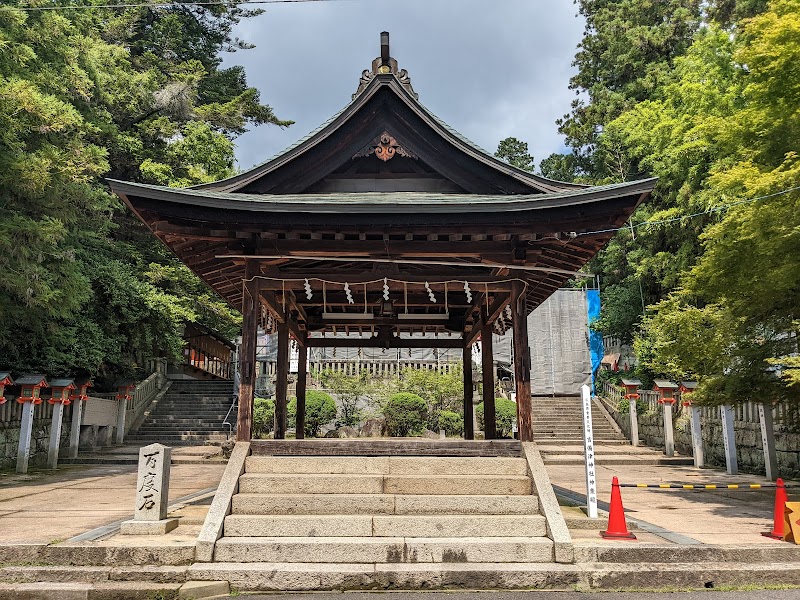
<point>387,225</point>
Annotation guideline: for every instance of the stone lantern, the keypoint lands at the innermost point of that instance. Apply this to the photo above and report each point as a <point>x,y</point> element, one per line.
<point>666,390</point>
<point>62,389</point>
<point>5,379</point>
<point>59,399</point>
<point>31,386</point>
<point>29,397</point>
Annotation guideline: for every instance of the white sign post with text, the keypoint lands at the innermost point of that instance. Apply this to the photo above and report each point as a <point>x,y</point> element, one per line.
<point>588,449</point>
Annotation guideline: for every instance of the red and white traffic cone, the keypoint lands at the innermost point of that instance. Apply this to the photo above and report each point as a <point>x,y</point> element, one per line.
<point>617,526</point>
<point>778,518</point>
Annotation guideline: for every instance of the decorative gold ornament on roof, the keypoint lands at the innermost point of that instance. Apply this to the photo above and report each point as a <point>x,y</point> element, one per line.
<point>384,65</point>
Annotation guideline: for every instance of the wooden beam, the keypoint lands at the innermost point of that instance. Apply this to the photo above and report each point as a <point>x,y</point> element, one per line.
<point>374,342</point>
<point>487,318</point>
<point>269,300</point>
<point>302,377</point>
<point>487,356</point>
<point>282,381</point>
<point>522,362</point>
<point>247,358</point>
<point>469,426</point>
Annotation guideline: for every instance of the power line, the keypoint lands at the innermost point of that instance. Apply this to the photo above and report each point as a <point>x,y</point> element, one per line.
<point>631,226</point>
<point>163,4</point>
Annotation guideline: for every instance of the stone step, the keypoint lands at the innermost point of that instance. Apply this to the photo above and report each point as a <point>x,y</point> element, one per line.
<point>385,526</point>
<point>382,504</point>
<point>386,447</point>
<point>260,483</point>
<point>91,574</point>
<point>267,577</point>
<point>561,441</point>
<point>385,550</point>
<point>417,465</point>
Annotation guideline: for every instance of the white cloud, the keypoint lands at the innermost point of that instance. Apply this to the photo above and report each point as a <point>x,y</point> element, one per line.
<point>490,69</point>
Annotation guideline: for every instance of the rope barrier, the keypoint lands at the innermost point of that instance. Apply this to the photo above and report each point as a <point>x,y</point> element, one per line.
<point>710,486</point>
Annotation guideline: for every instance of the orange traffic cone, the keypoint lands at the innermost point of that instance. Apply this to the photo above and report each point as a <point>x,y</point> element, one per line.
<point>778,520</point>
<point>617,526</point>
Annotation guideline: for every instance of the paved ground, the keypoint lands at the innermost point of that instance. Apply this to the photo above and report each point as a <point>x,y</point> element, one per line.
<point>45,506</point>
<point>544,595</point>
<point>710,517</point>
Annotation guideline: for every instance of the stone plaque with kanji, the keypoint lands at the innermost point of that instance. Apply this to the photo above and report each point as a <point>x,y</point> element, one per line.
<point>152,486</point>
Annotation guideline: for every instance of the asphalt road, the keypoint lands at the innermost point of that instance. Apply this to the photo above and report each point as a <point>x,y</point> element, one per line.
<point>793,594</point>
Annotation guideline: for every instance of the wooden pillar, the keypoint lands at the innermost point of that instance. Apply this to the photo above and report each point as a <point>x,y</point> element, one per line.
<point>487,361</point>
<point>247,354</point>
<point>282,381</point>
<point>302,376</point>
<point>522,361</point>
<point>469,426</point>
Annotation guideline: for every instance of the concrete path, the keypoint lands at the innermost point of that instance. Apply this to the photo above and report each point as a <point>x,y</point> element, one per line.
<point>709,517</point>
<point>49,506</point>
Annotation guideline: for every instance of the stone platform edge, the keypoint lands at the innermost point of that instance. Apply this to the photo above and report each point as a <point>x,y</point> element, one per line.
<point>557,529</point>
<point>221,505</point>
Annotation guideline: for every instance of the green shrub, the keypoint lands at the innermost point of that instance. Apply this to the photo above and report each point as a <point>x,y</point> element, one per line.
<point>263,416</point>
<point>451,422</point>
<point>405,414</point>
<point>320,409</point>
<point>505,413</point>
<point>624,406</point>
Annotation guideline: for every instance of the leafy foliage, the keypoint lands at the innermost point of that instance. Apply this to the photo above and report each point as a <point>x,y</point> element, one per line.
<point>724,287</point>
<point>133,94</point>
<point>349,390</point>
<point>320,410</point>
<point>263,416</point>
<point>451,422</point>
<point>405,414</point>
<point>442,390</point>
<point>505,413</point>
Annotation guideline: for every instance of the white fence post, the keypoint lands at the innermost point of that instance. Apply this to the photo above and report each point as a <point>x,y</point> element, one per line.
<point>697,436</point>
<point>55,435</point>
<point>669,438</point>
<point>75,427</point>
<point>26,427</point>
<point>634,422</point>
<point>121,409</point>
<point>768,441</point>
<point>729,439</point>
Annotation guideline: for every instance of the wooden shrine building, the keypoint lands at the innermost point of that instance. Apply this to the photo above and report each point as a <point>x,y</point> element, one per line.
<point>385,225</point>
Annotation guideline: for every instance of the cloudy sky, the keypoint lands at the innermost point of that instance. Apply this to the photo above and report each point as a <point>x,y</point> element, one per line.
<point>490,68</point>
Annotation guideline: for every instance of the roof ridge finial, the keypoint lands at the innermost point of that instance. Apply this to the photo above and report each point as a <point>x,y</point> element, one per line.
<point>385,65</point>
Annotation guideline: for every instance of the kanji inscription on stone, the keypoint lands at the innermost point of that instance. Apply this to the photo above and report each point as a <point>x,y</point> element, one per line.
<point>152,485</point>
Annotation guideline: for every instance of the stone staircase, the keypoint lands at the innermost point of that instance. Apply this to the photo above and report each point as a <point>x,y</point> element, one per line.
<point>384,522</point>
<point>559,422</point>
<point>190,413</point>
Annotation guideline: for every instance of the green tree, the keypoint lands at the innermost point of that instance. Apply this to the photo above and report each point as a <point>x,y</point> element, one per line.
<point>742,297</point>
<point>133,94</point>
<point>405,414</point>
<point>515,153</point>
<point>627,48</point>
<point>560,167</point>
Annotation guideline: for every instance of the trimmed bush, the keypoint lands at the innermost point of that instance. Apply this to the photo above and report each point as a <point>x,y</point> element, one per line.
<point>405,414</point>
<point>505,412</point>
<point>263,416</point>
<point>451,422</point>
<point>320,409</point>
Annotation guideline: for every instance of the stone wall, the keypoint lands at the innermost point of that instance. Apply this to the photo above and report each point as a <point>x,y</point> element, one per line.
<point>749,451</point>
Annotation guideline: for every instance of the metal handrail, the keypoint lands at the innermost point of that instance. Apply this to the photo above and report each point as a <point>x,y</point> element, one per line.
<point>234,404</point>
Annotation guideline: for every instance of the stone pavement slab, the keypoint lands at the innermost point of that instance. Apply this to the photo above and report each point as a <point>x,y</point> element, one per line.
<point>709,517</point>
<point>48,506</point>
